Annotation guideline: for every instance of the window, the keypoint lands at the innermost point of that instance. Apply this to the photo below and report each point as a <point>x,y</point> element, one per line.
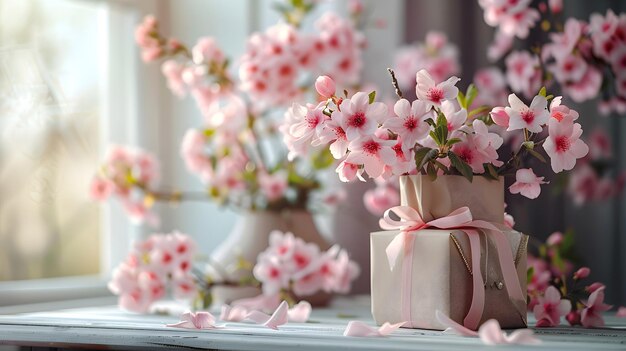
<point>68,85</point>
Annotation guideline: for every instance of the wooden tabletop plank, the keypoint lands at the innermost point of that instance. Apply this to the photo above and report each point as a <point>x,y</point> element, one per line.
<point>110,328</point>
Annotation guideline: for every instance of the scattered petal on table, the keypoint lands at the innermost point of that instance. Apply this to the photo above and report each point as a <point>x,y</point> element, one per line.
<point>491,334</point>
<point>621,312</point>
<point>300,312</point>
<point>234,313</point>
<point>358,328</point>
<point>452,326</point>
<point>279,317</point>
<point>199,320</point>
<point>261,302</point>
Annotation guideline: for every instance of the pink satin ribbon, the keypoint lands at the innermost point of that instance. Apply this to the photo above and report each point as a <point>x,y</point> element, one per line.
<point>459,219</point>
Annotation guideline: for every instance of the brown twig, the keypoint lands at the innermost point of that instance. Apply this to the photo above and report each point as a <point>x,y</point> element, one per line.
<point>394,81</point>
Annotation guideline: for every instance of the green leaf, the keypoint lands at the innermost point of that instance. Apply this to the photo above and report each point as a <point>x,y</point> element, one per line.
<point>441,120</point>
<point>470,95</point>
<point>441,166</point>
<point>537,155</point>
<point>322,159</point>
<point>430,121</point>
<point>453,141</point>
<point>442,133</point>
<point>435,137</point>
<point>543,92</point>
<point>529,274</point>
<point>461,166</point>
<point>431,171</point>
<point>461,99</point>
<point>372,97</point>
<point>424,155</point>
<point>491,171</point>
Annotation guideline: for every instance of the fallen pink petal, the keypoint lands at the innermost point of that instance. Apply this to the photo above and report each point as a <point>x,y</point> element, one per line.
<point>360,329</point>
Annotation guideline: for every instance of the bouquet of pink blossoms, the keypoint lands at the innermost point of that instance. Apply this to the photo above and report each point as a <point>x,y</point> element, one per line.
<point>289,265</point>
<point>436,134</point>
<point>154,265</point>
<point>235,152</point>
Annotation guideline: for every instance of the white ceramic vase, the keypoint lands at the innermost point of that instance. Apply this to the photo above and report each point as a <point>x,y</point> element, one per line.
<point>248,239</point>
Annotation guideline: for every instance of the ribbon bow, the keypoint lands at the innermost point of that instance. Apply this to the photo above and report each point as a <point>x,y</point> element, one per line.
<point>459,219</point>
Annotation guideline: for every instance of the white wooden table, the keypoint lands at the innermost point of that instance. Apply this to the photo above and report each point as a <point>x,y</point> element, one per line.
<point>110,328</point>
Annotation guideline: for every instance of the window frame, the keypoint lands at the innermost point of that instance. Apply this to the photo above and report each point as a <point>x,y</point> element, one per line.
<point>129,88</point>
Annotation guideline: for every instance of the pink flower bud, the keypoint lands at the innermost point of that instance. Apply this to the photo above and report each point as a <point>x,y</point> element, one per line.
<point>573,318</point>
<point>582,273</point>
<point>555,239</point>
<point>325,86</point>
<point>593,287</point>
<point>500,117</point>
<point>544,323</point>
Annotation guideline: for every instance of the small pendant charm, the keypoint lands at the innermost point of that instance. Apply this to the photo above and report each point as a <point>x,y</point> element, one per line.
<point>499,285</point>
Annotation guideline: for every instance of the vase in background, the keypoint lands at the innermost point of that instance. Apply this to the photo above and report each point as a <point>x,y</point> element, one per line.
<point>247,240</point>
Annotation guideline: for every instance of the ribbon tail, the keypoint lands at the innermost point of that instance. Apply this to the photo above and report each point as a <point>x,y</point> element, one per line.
<point>394,248</point>
<point>478,293</point>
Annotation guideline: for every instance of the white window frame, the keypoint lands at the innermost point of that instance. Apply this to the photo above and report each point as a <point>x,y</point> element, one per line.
<point>130,116</point>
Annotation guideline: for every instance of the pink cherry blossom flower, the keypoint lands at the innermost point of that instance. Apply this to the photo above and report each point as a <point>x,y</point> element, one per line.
<point>555,239</point>
<point>594,286</point>
<point>173,71</point>
<point>585,88</point>
<point>428,90</point>
<point>556,6</point>
<point>527,183</point>
<point>583,184</point>
<point>378,200</point>
<point>345,272</point>
<point>591,316</point>
<point>333,133</point>
<point>436,55</point>
<point>500,116</point>
<point>522,73</point>
<point>455,115</point>
<point>307,284</point>
<point>410,122</point>
<point>373,153</point>
<point>573,318</point>
<point>325,86</point>
<point>560,112</point>
<point>271,273</point>
<point>206,50</point>
<point>563,144</point>
<point>501,44</point>
<point>301,127</point>
<point>562,44</point>
<point>273,185</point>
<point>479,147</point>
<point>582,273</point>
<point>525,117</point>
<point>491,85</point>
<point>349,171</point>
<point>197,320</point>
<point>571,68</point>
<point>551,307</point>
<point>100,189</point>
<point>358,117</point>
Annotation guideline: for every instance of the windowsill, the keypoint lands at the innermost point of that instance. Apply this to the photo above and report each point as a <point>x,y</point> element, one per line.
<point>58,305</point>
<point>42,291</point>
